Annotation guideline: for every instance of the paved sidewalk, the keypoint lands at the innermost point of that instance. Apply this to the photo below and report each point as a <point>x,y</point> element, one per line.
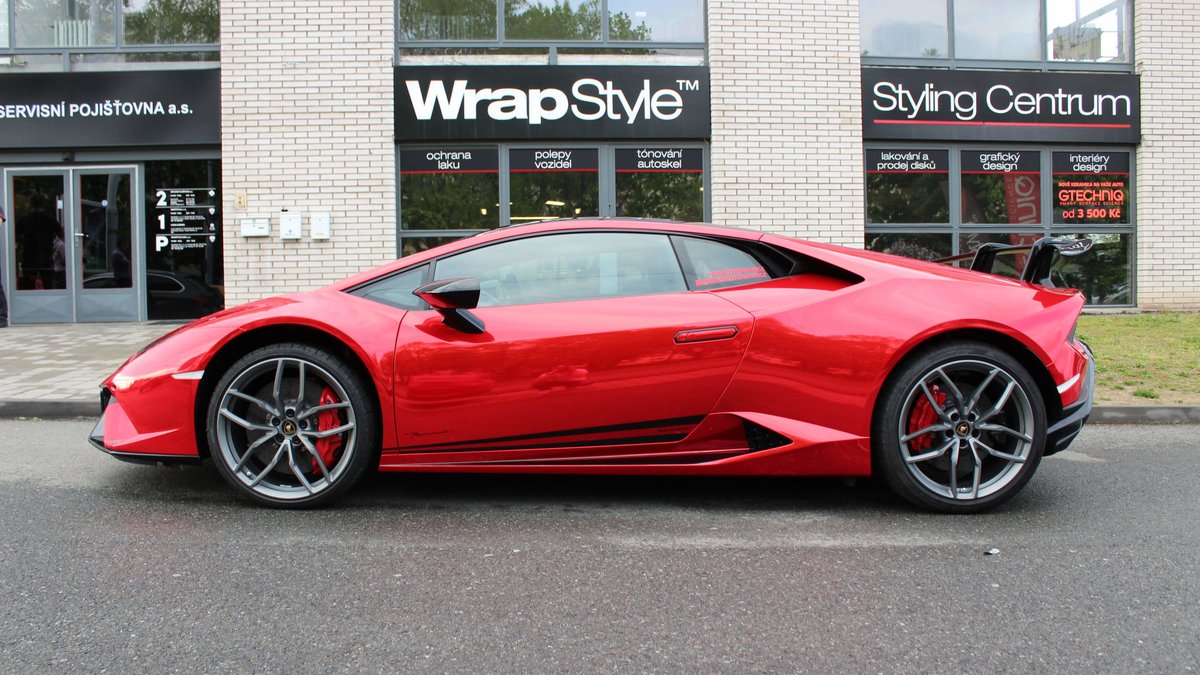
<point>55,370</point>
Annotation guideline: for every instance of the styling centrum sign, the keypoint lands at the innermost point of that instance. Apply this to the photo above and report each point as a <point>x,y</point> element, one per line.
<point>435,103</point>
<point>962,105</point>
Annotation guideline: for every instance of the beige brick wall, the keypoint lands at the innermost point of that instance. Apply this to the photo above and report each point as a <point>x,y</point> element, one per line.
<point>787,122</point>
<point>307,125</point>
<point>1167,49</point>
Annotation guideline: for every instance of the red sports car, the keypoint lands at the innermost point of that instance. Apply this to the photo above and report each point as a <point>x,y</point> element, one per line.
<point>624,347</point>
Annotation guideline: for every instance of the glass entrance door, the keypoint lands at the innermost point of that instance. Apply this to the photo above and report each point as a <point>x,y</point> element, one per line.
<point>107,289</point>
<point>39,214</point>
<point>71,247</point>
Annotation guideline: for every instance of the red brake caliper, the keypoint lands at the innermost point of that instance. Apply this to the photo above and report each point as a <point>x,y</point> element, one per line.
<point>326,420</point>
<point>924,415</point>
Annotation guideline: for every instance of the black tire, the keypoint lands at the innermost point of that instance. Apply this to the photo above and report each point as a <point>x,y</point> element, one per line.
<point>292,425</point>
<point>993,440</point>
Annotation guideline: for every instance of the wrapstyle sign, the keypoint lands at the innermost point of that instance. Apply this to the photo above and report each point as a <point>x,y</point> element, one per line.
<point>437,103</point>
<point>961,105</point>
<point>110,109</point>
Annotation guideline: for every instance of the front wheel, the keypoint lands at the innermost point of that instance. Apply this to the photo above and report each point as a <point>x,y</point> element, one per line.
<point>961,428</point>
<point>292,425</point>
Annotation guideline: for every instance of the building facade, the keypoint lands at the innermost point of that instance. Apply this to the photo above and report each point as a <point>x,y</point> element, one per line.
<point>161,157</point>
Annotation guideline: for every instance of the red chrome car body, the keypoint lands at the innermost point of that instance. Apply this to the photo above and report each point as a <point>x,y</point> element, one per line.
<point>652,384</point>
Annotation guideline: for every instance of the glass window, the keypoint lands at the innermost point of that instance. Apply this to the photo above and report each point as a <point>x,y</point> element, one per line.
<point>106,221</point>
<point>553,183</point>
<point>38,218</point>
<point>986,29</point>
<point>1091,187</point>
<point>660,183</point>
<point>907,29</point>
<point>65,23</point>
<point>910,244</point>
<point>168,22</point>
<point>1088,30</point>
<point>908,186</point>
<point>656,20</point>
<point>449,189</point>
<point>446,20</point>
<point>4,24</point>
<point>184,238</point>
<point>159,282</point>
<point>551,20</point>
<point>411,245</point>
<point>577,266</point>
<point>397,290</point>
<point>712,264</point>
<point>1001,186</point>
<point>1103,274</point>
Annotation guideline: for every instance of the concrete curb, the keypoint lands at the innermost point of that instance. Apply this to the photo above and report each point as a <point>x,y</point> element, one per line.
<point>50,409</point>
<point>1136,414</point>
<point>1100,414</point>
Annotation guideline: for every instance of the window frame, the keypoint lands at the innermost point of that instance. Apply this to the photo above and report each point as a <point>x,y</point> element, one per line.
<point>501,41</point>
<point>606,174</point>
<point>956,228</point>
<point>13,52</point>
<point>1043,64</point>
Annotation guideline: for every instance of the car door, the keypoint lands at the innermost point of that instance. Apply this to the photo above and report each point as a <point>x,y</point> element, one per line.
<point>590,338</point>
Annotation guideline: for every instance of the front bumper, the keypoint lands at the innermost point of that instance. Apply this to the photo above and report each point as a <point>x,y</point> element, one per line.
<point>96,438</point>
<point>1061,433</point>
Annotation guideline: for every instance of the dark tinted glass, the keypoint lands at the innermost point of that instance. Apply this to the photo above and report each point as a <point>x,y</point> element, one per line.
<point>711,264</point>
<point>562,267</point>
<point>184,237</point>
<point>397,290</point>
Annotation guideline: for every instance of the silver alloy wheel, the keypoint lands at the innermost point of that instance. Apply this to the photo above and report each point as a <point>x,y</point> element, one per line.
<point>268,428</point>
<point>976,429</point>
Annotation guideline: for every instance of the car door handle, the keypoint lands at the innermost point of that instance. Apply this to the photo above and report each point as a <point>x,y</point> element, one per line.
<point>706,334</point>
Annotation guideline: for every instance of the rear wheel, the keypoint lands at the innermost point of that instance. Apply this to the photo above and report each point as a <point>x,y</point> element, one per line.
<point>292,425</point>
<point>961,428</point>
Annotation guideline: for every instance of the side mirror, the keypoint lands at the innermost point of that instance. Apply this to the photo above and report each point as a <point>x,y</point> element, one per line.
<point>452,298</point>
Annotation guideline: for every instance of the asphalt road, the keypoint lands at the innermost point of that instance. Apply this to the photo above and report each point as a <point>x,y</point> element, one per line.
<point>106,566</point>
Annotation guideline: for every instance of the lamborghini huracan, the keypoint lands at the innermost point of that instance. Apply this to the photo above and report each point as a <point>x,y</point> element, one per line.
<point>598,346</point>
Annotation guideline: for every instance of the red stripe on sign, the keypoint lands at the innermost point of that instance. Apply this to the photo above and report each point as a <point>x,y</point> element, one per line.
<point>414,173</point>
<point>1008,124</point>
<point>553,170</point>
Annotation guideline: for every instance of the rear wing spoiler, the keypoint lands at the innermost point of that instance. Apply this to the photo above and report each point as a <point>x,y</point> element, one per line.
<point>1041,256</point>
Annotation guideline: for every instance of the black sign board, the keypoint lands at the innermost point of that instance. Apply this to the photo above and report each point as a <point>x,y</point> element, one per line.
<point>1001,161</point>
<point>1091,187</point>
<point>1091,162</point>
<point>110,109</point>
<point>651,159</point>
<point>438,103</point>
<point>185,218</point>
<point>907,161</point>
<point>457,160</point>
<point>553,159</point>
<point>967,105</point>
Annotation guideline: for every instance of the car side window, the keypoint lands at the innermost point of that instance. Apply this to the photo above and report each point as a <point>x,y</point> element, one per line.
<point>161,284</point>
<point>710,264</point>
<point>397,290</point>
<point>570,266</point>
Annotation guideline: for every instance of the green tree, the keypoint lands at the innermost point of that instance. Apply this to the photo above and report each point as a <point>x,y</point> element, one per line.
<point>168,22</point>
<point>447,20</point>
